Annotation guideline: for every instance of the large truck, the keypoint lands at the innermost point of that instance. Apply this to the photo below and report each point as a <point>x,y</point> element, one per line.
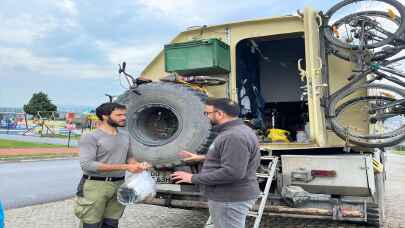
<point>281,71</point>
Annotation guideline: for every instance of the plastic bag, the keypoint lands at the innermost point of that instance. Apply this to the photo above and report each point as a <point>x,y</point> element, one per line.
<point>137,188</point>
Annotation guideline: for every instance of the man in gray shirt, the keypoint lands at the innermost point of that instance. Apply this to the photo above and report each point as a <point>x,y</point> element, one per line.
<point>105,155</point>
<point>228,176</point>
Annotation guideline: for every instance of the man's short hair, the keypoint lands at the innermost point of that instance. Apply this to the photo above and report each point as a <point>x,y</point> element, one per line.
<point>107,108</point>
<point>227,106</point>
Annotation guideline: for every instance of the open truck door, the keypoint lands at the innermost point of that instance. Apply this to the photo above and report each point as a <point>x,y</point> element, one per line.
<point>313,75</point>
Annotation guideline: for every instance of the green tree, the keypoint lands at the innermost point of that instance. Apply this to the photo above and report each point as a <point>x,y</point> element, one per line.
<point>40,102</point>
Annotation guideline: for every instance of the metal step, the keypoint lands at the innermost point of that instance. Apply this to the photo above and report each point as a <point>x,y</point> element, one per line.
<point>271,170</point>
<point>267,157</point>
<point>253,214</point>
<point>262,175</point>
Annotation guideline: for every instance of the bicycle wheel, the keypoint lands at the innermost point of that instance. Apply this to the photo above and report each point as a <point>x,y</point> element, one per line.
<point>373,112</point>
<point>371,89</point>
<point>205,80</point>
<point>393,67</point>
<point>375,143</point>
<point>369,117</point>
<point>359,28</point>
<point>377,54</point>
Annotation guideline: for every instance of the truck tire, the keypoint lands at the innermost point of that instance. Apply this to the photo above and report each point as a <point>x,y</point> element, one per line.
<point>373,215</point>
<point>376,211</point>
<point>164,119</point>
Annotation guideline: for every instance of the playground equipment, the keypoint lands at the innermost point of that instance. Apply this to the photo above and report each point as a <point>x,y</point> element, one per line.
<point>43,120</point>
<point>13,121</point>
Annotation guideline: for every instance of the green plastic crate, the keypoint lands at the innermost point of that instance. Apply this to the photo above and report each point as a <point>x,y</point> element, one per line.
<point>202,57</point>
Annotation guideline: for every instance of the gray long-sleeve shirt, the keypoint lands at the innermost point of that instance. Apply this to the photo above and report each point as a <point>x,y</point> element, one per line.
<point>229,170</point>
<point>100,147</point>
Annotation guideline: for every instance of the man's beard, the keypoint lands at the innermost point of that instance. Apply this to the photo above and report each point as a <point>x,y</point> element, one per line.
<point>213,122</point>
<point>113,123</point>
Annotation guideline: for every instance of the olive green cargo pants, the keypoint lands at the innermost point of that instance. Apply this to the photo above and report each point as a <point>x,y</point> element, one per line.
<point>99,202</point>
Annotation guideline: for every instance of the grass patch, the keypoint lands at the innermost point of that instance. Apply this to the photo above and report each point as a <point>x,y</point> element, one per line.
<point>5,143</point>
<point>34,156</point>
<point>399,152</point>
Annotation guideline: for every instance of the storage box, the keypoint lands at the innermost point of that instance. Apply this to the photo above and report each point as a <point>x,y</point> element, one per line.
<point>202,57</point>
<point>354,174</point>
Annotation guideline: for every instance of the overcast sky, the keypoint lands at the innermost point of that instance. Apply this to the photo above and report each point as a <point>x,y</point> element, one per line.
<point>70,49</point>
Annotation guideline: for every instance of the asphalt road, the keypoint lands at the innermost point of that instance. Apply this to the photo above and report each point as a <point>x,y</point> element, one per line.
<point>60,214</point>
<point>33,182</point>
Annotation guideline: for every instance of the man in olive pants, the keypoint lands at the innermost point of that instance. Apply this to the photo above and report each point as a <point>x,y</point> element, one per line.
<point>105,155</point>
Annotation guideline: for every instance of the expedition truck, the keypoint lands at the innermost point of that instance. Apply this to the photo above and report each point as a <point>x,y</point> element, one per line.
<point>287,75</point>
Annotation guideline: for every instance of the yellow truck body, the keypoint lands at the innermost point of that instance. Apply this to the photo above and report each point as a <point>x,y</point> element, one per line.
<point>305,26</point>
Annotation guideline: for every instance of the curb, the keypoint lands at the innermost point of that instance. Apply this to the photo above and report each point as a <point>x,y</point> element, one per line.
<point>38,159</point>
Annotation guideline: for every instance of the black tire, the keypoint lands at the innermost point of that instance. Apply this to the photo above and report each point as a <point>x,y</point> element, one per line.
<point>367,100</point>
<point>360,139</point>
<point>384,53</point>
<point>375,143</point>
<point>332,39</point>
<point>390,68</point>
<point>206,80</point>
<point>338,96</point>
<point>373,215</point>
<point>165,119</point>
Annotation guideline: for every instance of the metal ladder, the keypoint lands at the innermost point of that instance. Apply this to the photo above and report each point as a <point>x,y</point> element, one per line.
<point>268,174</point>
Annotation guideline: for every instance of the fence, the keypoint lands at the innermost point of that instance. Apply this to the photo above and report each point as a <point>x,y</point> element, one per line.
<point>46,123</point>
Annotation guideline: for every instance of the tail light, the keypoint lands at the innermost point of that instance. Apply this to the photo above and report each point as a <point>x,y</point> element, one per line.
<point>323,173</point>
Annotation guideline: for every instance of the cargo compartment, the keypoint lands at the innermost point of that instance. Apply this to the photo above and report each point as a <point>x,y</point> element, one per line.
<point>201,57</point>
<point>270,90</point>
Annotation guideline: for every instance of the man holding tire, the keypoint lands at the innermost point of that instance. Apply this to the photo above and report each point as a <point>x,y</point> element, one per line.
<point>104,157</point>
<point>228,176</point>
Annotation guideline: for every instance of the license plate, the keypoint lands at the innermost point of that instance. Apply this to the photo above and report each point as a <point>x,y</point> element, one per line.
<point>161,177</point>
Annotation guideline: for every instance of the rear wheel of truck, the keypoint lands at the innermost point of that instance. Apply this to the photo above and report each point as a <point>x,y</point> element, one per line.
<point>374,218</point>
<point>165,119</point>
<point>376,211</point>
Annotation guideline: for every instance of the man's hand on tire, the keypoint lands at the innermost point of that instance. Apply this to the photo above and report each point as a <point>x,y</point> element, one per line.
<point>190,157</point>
